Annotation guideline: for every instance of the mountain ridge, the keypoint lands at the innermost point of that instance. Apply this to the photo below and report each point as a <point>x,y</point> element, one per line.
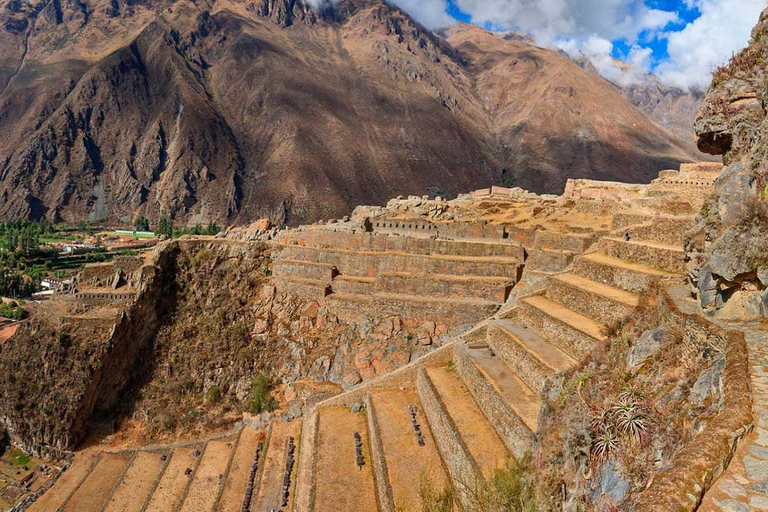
<point>232,111</point>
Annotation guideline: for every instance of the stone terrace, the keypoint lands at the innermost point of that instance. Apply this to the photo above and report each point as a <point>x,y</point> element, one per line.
<point>456,413</point>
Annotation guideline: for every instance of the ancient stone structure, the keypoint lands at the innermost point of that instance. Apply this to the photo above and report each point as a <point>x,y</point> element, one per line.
<point>538,296</point>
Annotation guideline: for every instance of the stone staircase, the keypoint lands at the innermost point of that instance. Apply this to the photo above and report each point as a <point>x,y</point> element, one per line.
<point>451,417</point>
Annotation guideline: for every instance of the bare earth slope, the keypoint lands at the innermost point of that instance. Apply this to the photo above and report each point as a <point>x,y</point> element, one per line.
<point>236,110</point>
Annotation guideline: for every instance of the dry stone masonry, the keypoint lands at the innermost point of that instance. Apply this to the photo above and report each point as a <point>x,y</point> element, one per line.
<point>525,297</point>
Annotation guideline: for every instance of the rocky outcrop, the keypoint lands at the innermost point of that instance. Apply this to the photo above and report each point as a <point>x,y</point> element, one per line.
<point>77,366</point>
<point>205,321</point>
<point>728,252</point>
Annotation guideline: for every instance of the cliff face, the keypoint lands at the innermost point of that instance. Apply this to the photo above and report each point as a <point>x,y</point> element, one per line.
<point>728,259</point>
<point>238,110</point>
<point>59,370</point>
<point>206,315</point>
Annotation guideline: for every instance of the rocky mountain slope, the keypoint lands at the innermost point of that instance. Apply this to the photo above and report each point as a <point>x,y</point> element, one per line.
<point>729,265</point>
<point>236,110</point>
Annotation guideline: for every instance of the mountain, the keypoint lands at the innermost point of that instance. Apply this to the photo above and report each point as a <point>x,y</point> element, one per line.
<point>237,109</point>
<point>670,107</point>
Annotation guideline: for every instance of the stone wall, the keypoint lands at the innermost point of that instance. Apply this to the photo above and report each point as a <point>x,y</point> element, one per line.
<point>412,228</point>
<point>102,298</point>
<point>601,190</point>
<point>486,288</point>
<point>697,466</point>
<point>357,241</point>
<point>97,272</point>
<point>403,377</point>
<point>462,468</point>
<point>478,230</point>
<point>517,437</point>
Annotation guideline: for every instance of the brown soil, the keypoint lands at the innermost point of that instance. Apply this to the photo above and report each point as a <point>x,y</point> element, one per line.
<point>234,488</point>
<point>340,484</point>
<point>94,492</point>
<point>481,439</point>
<point>408,464</point>
<point>69,480</point>
<point>174,482</point>
<point>134,490</point>
<point>274,466</point>
<point>209,476</point>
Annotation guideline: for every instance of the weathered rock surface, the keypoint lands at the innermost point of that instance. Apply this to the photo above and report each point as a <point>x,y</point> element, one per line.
<point>729,250</point>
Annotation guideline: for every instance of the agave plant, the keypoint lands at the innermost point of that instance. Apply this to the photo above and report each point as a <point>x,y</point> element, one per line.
<point>631,417</point>
<point>606,442</point>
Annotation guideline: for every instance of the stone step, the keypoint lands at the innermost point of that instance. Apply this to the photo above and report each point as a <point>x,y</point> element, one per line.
<point>408,458</point>
<point>174,482</point>
<point>134,489</point>
<point>653,254</point>
<point>449,244</point>
<point>572,332</point>
<point>527,354</point>
<point>624,220</point>
<point>349,297</point>
<point>340,484</point>
<point>506,401</point>
<point>311,289</point>
<point>369,263</point>
<point>625,275</point>
<point>94,492</point>
<point>236,484</point>
<point>467,441</point>
<point>284,267</point>
<point>548,260</point>
<point>570,242</point>
<point>493,289</point>
<point>353,285</point>
<point>270,489</point>
<point>598,301</point>
<point>665,229</point>
<point>206,485</point>
<point>665,205</point>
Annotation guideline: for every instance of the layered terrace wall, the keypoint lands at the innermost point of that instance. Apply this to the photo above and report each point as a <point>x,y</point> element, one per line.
<point>694,469</point>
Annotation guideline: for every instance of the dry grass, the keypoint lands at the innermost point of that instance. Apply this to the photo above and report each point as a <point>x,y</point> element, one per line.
<point>744,62</point>
<point>510,489</point>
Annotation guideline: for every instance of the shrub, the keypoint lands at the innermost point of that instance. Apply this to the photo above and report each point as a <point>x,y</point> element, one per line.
<point>214,395</point>
<point>261,399</point>
<point>510,489</point>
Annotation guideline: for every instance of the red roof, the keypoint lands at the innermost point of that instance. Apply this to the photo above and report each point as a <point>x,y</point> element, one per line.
<point>5,334</point>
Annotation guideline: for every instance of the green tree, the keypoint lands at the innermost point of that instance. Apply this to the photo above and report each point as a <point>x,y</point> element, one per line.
<point>141,224</point>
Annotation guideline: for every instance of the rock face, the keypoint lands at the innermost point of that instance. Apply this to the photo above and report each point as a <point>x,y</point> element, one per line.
<point>729,251</point>
<point>236,111</point>
<point>206,317</point>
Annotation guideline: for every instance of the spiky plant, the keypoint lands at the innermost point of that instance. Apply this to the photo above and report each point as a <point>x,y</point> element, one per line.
<point>606,442</point>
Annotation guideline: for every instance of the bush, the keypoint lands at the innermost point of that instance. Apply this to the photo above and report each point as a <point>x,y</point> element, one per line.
<point>214,395</point>
<point>510,489</point>
<point>261,399</point>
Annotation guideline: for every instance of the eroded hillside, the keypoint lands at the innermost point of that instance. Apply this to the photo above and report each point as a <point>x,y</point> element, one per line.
<point>234,111</point>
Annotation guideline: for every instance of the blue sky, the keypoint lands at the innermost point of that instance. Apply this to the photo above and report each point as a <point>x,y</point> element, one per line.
<point>681,41</point>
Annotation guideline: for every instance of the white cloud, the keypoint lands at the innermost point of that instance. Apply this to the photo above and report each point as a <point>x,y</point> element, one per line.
<point>599,52</point>
<point>430,13</point>
<point>550,20</point>
<point>722,29</point>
